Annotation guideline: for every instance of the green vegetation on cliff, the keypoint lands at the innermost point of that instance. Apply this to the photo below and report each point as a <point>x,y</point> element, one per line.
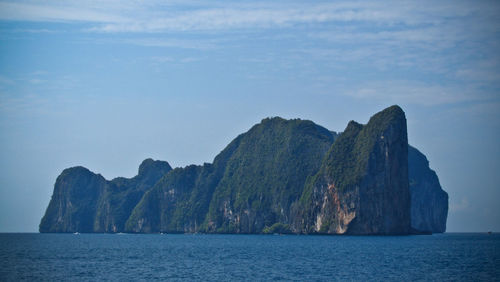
<point>251,184</point>
<point>281,176</point>
<point>74,201</point>
<point>86,202</point>
<point>266,174</point>
<point>278,227</point>
<point>348,159</point>
<point>365,161</point>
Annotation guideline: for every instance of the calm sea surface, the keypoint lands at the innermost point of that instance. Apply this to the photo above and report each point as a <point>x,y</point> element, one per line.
<point>248,257</point>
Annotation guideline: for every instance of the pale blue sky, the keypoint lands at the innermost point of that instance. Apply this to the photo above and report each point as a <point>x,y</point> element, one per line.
<point>106,85</point>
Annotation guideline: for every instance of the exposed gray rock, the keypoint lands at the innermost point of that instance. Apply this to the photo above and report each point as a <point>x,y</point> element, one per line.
<point>280,176</point>
<point>429,203</point>
<point>362,186</point>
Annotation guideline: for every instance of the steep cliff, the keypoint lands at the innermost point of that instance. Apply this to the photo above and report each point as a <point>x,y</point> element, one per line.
<point>429,203</point>
<point>266,174</point>
<point>86,202</point>
<point>362,185</point>
<point>280,176</point>
<point>251,184</point>
<point>74,202</point>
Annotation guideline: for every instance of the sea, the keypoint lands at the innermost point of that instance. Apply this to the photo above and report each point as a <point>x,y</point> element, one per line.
<point>190,257</point>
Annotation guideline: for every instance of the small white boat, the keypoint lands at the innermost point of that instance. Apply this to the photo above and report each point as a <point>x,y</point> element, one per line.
<point>76,233</point>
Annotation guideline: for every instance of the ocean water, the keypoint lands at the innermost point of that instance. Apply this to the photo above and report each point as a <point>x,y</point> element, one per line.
<point>95,257</point>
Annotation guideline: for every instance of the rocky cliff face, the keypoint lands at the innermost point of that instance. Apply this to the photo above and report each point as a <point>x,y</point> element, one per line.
<point>251,184</point>
<point>429,203</point>
<point>280,176</point>
<point>362,186</point>
<point>266,174</point>
<point>86,202</point>
<point>73,205</point>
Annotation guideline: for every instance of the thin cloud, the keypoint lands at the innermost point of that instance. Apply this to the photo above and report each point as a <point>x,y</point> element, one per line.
<point>462,205</point>
<point>171,60</point>
<point>433,38</point>
<point>427,40</point>
<point>36,81</point>
<point>30,30</point>
<point>156,16</point>
<point>53,13</point>
<point>5,80</point>
<point>171,43</point>
<point>236,17</point>
<point>409,92</point>
<point>484,70</point>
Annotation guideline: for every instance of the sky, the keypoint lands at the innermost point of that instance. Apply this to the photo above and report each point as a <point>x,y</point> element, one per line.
<point>106,84</point>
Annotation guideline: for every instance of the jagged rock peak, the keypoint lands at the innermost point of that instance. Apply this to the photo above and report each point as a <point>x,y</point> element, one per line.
<point>303,125</point>
<point>76,169</point>
<point>362,186</point>
<point>353,126</point>
<point>393,110</point>
<point>272,119</point>
<point>150,166</point>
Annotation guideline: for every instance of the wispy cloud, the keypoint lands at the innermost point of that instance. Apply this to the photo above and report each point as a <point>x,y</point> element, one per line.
<point>459,206</point>
<point>5,81</point>
<point>482,70</point>
<point>412,92</point>
<point>31,30</point>
<point>177,43</point>
<point>242,17</point>
<point>158,16</point>
<point>173,60</point>
<point>437,45</point>
<point>36,81</point>
<point>55,11</point>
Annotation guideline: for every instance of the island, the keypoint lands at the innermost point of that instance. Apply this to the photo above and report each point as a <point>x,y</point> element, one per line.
<point>281,176</point>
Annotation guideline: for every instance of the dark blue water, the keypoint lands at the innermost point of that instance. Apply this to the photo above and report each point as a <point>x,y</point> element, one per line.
<point>248,257</point>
